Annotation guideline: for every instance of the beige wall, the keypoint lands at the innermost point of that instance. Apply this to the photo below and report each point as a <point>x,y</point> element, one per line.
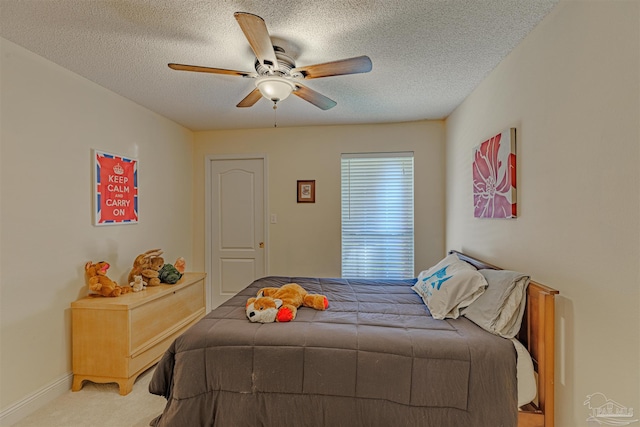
<point>50,121</point>
<point>572,90</point>
<point>306,239</point>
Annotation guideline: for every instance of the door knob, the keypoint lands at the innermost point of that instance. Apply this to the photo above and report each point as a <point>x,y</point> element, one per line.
<point>261,245</point>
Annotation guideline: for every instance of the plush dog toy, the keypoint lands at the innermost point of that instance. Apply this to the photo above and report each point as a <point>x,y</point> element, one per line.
<point>281,304</point>
<point>99,283</point>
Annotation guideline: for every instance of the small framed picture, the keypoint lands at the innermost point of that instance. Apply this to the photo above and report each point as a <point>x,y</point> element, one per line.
<point>307,191</point>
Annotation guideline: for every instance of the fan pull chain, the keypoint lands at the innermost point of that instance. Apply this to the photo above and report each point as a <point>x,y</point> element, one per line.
<point>275,114</point>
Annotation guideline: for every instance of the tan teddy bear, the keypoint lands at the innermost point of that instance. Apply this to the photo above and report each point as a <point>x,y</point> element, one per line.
<point>281,304</point>
<point>138,284</point>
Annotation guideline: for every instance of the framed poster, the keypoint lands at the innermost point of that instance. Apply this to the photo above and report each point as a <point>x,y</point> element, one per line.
<point>115,187</point>
<point>494,177</point>
<point>307,191</point>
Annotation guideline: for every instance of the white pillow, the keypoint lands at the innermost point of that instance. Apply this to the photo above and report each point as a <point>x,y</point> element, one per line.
<point>500,308</point>
<point>449,286</point>
<point>527,384</point>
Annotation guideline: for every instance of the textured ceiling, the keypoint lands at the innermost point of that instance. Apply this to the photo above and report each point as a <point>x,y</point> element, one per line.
<point>427,55</point>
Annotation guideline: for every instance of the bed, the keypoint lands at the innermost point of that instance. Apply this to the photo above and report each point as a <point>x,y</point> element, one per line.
<point>375,357</point>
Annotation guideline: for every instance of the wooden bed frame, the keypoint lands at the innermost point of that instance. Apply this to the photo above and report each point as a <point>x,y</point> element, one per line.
<point>537,334</point>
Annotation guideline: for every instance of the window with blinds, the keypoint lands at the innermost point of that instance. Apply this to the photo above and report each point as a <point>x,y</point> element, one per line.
<point>377,215</point>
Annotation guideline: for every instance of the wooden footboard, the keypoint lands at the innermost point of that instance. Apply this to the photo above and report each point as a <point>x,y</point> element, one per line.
<point>537,334</point>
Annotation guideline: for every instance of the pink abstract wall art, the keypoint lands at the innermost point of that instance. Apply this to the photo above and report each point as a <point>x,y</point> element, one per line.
<point>494,177</point>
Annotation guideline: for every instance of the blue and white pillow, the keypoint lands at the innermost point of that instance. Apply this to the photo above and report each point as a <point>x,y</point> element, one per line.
<point>449,286</point>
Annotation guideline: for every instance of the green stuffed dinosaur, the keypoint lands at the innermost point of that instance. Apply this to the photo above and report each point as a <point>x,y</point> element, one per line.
<point>171,273</point>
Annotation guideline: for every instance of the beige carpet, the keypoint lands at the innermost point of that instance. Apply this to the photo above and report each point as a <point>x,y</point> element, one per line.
<point>100,405</point>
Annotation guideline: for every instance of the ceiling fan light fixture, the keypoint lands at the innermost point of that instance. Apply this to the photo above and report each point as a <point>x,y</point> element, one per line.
<point>275,88</point>
<point>277,75</point>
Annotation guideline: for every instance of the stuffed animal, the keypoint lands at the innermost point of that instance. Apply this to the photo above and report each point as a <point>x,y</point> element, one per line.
<point>169,274</point>
<point>148,266</point>
<point>138,284</point>
<point>98,281</point>
<point>180,264</point>
<point>281,304</point>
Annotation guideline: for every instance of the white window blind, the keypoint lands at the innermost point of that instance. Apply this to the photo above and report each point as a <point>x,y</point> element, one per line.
<point>377,215</point>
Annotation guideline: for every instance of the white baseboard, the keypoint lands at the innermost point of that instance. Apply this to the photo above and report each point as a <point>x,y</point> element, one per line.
<point>35,401</point>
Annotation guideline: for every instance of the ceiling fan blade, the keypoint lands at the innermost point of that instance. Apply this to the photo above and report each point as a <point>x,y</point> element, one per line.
<point>255,30</point>
<point>198,69</point>
<point>314,97</point>
<point>250,99</point>
<point>359,64</point>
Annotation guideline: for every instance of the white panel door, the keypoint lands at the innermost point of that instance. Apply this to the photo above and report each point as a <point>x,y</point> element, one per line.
<point>237,226</point>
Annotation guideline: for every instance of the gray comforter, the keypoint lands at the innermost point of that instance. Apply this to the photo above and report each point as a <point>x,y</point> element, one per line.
<point>375,357</point>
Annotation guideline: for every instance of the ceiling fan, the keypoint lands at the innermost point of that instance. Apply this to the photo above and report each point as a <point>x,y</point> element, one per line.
<point>276,76</point>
